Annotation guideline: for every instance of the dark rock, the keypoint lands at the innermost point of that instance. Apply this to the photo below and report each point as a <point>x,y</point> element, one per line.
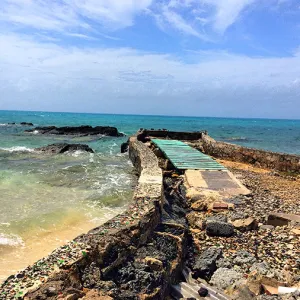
<point>20,275</point>
<point>205,264</point>
<point>124,147</point>
<point>64,147</point>
<point>217,228</point>
<point>78,131</point>
<point>91,277</point>
<point>137,277</point>
<point>13,123</point>
<point>51,291</point>
<point>26,124</point>
<point>203,292</point>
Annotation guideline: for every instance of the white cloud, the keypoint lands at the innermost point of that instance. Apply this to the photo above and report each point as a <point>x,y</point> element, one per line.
<point>227,12</point>
<point>199,18</point>
<point>114,13</point>
<point>71,15</point>
<point>45,76</point>
<point>204,16</point>
<point>180,24</point>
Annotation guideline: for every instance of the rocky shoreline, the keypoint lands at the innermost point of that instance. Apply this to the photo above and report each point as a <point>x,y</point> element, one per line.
<point>228,244</point>
<point>257,257</point>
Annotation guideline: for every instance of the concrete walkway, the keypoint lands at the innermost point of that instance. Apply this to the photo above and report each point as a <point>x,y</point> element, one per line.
<point>202,172</point>
<point>223,183</point>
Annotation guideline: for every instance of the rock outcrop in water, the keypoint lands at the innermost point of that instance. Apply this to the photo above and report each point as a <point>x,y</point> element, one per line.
<point>84,130</point>
<point>64,147</point>
<point>22,123</point>
<point>26,124</point>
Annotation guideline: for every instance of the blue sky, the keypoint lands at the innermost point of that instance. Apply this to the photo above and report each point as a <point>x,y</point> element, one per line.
<point>233,58</point>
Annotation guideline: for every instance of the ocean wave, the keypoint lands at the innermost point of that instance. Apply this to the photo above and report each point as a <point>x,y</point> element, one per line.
<point>10,240</point>
<point>78,153</point>
<point>18,149</point>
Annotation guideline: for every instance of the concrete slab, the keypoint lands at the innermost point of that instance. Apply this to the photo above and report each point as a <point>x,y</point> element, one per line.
<point>223,182</point>
<point>280,219</point>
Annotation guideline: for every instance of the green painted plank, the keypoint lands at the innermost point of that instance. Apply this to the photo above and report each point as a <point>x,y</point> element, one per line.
<point>185,157</point>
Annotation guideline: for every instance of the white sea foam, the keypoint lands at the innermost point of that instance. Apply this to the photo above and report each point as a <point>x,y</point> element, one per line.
<point>10,240</point>
<point>238,138</point>
<point>18,149</point>
<point>3,124</point>
<point>35,132</point>
<point>76,153</point>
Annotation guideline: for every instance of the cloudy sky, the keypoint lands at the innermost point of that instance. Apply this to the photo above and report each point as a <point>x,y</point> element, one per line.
<point>234,58</point>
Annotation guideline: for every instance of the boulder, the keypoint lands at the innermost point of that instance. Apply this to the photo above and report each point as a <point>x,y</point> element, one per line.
<point>124,147</point>
<point>205,263</point>
<point>217,228</point>
<point>245,224</point>
<point>224,278</point>
<point>78,131</point>
<point>64,147</point>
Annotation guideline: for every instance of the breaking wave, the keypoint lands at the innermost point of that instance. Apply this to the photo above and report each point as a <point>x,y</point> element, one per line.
<point>10,240</point>
<point>18,149</point>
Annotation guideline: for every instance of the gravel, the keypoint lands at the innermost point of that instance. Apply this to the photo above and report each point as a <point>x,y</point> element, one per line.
<point>271,251</point>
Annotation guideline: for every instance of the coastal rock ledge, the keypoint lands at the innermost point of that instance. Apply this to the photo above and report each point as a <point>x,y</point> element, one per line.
<point>84,130</point>
<point>64,147</point>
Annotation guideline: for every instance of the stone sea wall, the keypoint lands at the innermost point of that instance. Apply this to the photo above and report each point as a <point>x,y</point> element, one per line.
<point>261,158</point>
<point>85,267</point>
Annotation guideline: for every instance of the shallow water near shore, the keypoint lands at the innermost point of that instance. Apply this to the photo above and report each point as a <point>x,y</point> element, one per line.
<point>46,200</point>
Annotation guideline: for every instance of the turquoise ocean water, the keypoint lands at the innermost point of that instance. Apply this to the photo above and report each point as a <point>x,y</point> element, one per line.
<point>48,199</point>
